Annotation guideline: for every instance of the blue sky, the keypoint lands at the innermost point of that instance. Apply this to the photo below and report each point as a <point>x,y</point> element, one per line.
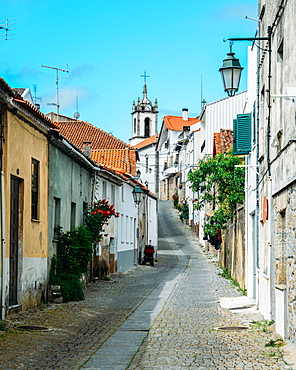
<point>107,46</point>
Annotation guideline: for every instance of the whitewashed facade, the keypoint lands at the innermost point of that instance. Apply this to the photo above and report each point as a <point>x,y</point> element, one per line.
<point>122,243</point>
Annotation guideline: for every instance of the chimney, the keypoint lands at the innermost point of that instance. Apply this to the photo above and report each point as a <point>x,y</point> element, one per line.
<point>185,114</point>
<point>87,148</point>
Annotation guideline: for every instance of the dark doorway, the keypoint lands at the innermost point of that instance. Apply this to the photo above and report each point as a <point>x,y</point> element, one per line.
<point>14,234</point>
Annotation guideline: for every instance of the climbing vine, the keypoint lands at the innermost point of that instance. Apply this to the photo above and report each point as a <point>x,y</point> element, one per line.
<point>219,183</point>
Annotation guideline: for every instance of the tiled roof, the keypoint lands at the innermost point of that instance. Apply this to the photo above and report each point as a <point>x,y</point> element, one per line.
<point>146,142</point>
<point>18,91</point>
<point>122,160</point>
<point>4,85</point>
<point>37,113</point>
<point>106,149</point>
<point>80,132</point>
<point>223,141</point>
<point>175,123</point>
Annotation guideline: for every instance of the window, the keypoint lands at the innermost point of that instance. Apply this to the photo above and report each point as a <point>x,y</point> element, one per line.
<point>131,230</point>
<point>35,189</point>
<point>104,190</point>
<point>147,127</point>
<point>135,126</point>
<point>262,12</point>
<point>84,207</point>
<point>123,228</point>
<point>122,193</point>
<point>73,216</point>
<point>112,194</point>
<point>280,52</point>
<point>203,146</point>
<point>147,163</point>
<point>57,217</point>
<point>242,134</point>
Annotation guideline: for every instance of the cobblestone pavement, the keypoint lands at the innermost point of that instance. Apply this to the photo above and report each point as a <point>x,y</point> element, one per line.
<point>183,335</point>
<point>78,328</point>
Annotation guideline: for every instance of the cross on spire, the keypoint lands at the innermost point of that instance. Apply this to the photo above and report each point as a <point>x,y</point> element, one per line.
<point>145,76</point>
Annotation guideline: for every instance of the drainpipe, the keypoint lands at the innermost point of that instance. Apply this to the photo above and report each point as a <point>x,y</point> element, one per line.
<point>147,220</point>
<point>2,215</point>
<point>2,244</point>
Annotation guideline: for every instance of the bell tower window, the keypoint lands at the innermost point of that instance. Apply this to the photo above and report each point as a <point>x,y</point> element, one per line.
<point>135,126</point>
<point>147,127</point>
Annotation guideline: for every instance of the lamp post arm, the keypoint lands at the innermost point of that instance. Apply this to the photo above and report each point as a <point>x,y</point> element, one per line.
<point>247,39</point>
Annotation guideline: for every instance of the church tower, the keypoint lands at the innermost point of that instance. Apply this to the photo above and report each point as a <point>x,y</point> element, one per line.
<point>144,118</point>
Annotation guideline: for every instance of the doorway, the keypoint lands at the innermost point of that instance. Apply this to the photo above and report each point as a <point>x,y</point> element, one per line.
<point>14,237</point>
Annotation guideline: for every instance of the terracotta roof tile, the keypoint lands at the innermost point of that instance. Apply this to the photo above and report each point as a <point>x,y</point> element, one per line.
<point>123,160</point>
<point>106,149</point>
<point>5,86</point>
<point>80,132</point>
<point>146,142</point>
<point>175,123</point>
<point>223,141</point>
<point>30,107</point>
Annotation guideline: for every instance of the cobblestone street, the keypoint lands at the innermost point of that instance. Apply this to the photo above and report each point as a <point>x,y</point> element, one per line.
<point>162,317</point>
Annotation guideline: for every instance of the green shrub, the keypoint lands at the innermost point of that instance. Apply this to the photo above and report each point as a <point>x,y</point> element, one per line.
<point>71,288</point>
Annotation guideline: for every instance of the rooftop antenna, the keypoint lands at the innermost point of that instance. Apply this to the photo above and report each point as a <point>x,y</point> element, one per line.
<point>57,104</point>
<point>37,105</point>
<point>76,114</point>
<point>4,25</point>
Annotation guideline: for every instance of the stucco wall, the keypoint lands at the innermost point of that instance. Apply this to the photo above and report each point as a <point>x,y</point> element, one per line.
<point>70,183</point>
<point>23,143</point>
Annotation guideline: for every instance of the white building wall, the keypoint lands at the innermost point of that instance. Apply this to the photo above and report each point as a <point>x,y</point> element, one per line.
<point>220,114</point>
<point>251,211</point>
<point>147,166</point>
<point>128,222</point>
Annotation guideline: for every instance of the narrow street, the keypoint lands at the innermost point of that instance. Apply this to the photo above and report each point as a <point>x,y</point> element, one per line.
<point>162,317</point>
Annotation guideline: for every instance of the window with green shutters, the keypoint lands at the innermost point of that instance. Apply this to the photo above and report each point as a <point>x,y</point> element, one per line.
<point>242,134</point>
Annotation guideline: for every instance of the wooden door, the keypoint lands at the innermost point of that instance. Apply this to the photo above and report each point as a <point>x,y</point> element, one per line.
<point>14,233</point>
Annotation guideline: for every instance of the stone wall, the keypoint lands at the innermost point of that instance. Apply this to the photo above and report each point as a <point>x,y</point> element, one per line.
<point>285,254</point>
<point>232,253</point>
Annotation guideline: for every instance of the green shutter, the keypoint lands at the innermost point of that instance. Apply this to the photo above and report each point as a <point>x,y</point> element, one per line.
<point>242,134</point>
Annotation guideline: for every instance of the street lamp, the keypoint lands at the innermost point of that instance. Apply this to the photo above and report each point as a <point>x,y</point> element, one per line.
<point>231,72</point>
<point>137,193</point>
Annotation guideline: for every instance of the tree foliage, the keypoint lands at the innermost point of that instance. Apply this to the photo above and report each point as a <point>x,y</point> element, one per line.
<point>219,183</point>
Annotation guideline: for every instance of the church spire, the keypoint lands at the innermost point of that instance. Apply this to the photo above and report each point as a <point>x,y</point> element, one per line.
<point>145,100</point>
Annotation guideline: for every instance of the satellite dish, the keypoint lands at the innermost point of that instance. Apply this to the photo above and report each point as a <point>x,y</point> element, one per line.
<point>76,115</point>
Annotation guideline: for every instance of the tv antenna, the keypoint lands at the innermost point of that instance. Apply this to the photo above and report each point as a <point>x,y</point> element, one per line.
<point>4,25</point>
<point>37,105</point>
<point>57,104</point>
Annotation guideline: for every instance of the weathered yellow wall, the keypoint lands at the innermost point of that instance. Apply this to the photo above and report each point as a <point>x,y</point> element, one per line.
<point>22,143</point>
